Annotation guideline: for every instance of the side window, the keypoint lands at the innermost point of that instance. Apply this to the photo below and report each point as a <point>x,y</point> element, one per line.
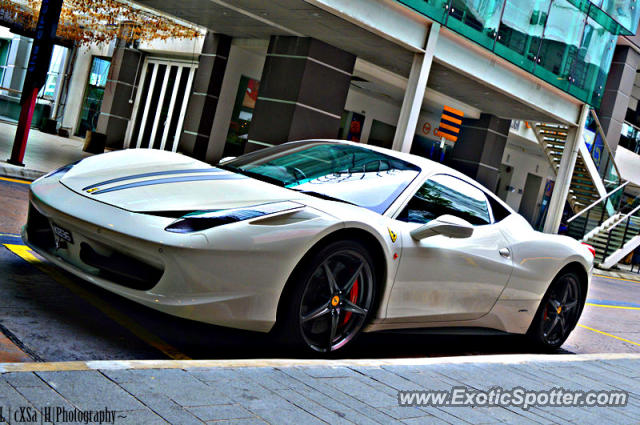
<point>499,212</point>
<point>443,194</point>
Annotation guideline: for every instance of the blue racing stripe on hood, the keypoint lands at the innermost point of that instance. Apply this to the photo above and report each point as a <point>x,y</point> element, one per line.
<point>225,176</point>
<point>152,174</point>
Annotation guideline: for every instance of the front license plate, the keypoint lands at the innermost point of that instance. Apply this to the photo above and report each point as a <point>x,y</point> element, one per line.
<point>61,233</point>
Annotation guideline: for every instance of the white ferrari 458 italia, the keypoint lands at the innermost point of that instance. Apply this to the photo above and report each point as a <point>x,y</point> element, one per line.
<point>315,241</point>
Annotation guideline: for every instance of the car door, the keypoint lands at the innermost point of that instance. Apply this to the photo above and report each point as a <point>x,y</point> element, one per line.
<point>441,278</point>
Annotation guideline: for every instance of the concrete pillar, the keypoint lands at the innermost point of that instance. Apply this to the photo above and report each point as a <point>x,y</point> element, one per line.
<point>117,103</point>
<point>479,148</point>
<point>203,101</point>
<point>414,94</point>
<point>615,99</point>
<point>303,90</point>
<point>565,174</point>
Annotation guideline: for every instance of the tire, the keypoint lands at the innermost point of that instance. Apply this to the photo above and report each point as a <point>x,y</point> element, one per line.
<point>558,313</point>
<point>328,299</point>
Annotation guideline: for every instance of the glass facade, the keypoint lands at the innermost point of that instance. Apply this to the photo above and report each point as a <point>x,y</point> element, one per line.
<point>630,137</point>
<point>567,43</point>
<point>625,12</point>
<point>93,95</point>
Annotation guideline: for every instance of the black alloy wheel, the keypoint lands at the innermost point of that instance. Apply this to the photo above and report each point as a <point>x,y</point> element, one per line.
<point>332,299</point>
<point>558,313</point>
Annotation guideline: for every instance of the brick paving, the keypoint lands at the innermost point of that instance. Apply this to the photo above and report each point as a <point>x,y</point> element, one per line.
<point>333,393</point>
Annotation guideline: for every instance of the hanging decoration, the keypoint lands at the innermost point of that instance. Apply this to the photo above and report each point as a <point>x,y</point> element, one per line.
<point>97,21</point>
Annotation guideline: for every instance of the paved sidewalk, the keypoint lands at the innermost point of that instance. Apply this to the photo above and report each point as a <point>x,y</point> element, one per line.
<point>314,392</point>
<point>45,152</point>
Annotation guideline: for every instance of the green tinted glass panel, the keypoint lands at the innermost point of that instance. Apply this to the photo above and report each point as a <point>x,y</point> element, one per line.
<point>553,39</point>
<point>476,19</point>
<point>625,12</point>
<point>560,43</point>
<point>435,9</point>
<point>521,31</point>
<point>591,65</point>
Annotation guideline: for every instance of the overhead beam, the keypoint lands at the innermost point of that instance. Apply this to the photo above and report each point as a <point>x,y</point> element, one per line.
<point>382,76</point>
<point>384,18</point>
<point>479,64</point>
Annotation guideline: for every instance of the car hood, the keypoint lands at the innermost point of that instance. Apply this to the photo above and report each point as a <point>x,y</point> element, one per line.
<point>146,180</point>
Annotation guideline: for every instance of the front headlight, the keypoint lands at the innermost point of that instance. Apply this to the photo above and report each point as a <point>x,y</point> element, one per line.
<point>202,220</point>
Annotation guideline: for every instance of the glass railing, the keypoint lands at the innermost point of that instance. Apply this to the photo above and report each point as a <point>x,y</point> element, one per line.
<point>568,43</point>
<point>625,12</point>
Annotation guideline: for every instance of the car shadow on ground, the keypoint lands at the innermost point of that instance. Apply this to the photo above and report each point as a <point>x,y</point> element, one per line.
<point>57,324</point>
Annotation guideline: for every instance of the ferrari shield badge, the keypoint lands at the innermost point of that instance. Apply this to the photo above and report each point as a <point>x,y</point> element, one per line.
<point>392,234</point>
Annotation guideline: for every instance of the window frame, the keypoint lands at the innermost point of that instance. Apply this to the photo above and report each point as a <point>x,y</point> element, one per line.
<point>470,183</point>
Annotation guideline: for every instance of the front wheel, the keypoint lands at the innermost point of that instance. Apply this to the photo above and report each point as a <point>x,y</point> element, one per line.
<point>558,313</point>
<point>331,300</point>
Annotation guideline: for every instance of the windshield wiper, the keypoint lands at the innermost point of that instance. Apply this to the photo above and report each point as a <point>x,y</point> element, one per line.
<point>322,196</point>
<point>252,174</point>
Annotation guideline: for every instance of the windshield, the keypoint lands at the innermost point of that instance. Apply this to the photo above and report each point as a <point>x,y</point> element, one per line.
<point>343,172</point>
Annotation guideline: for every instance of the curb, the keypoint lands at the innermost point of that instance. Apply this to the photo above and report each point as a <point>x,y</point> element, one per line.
<point>288,363</point>
<point>617,275</point>
<point>10,170</point>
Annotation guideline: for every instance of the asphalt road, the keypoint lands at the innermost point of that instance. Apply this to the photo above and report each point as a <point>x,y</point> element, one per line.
<point>53,316</point>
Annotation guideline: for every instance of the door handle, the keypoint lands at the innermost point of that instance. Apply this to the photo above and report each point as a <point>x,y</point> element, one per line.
<point>505,252</point>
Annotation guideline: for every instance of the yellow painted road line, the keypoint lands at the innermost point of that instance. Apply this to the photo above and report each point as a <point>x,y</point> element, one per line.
<point>617,278</point>
<point>7,179</point>
<point>114,314</point>
<point>609,335</point>
<point>623,307</point>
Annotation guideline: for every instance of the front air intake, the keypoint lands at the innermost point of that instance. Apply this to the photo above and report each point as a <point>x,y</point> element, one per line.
<point>121,269</point>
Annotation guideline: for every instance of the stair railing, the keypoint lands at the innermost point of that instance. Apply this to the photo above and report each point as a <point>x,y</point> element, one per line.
<point>586,210</point>
<point>627,217</point>
<point>607,204</point>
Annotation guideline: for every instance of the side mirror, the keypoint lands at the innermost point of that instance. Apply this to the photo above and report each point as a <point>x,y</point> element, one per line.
<point>226,159</point>
<point>445,225</point>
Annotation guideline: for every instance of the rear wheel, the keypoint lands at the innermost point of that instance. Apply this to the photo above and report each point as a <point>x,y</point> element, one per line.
<point>331,298</point>
<point>558,313</point>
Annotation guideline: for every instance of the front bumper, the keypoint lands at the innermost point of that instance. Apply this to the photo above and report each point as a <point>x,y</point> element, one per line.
<point>226,277</point>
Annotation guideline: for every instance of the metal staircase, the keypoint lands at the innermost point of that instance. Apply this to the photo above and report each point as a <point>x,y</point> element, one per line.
<point>583,190</point>
<point>600,219</point>
<point>612,236</point>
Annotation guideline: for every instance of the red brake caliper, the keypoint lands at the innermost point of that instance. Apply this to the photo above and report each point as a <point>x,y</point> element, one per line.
<point>353,296</point>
